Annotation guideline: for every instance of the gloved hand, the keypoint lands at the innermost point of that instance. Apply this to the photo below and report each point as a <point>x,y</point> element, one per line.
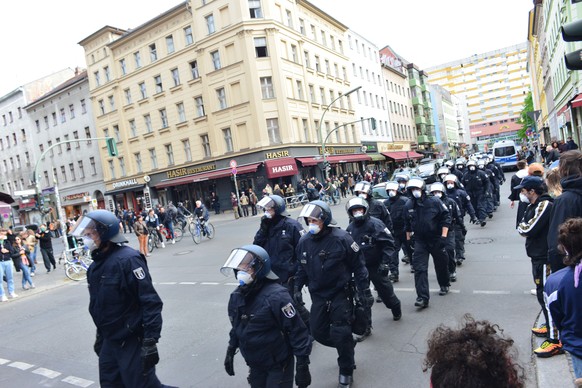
<point>464,230</point>
<point>298,297</point>
<point>229,360</point>
<point>98,344</point>
<point>149,354</point>
<point>265,224</point>
<point>302,375</point>
<point>442,242</point>
<point>367,298</point>
<point>383,270</point>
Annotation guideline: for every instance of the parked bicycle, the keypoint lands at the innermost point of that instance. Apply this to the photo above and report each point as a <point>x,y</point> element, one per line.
<point>202,228</point>
<point>77,262</point>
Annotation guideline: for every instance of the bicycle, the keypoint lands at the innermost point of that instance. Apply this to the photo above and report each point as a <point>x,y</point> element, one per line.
<point>202,228</point>
<point>153,239</point>
<point>77,262</point>
<point>178,233</point>
<point>332,200</point>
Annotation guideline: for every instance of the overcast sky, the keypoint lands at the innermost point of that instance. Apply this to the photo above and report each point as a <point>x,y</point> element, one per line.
<point>39,37</point>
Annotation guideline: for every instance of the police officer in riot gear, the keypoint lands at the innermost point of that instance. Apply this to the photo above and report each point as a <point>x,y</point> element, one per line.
<point>460,169</point>
<point>402,180</point>
<point>377,246</point>
<point>265,324</point>
<point>328,257</point>
<point>476,184</point>
<point>363,189</point>
<point>395,204</point>
<point>498,171</point>
<point>123,303</point>
<point>442,172</point>
<point>463,200</point>
<point>489,194</point>
<point>429,219</point>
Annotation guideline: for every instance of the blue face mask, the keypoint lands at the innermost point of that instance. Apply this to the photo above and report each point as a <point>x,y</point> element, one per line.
<point>314,229</point>
<point>243,278</point>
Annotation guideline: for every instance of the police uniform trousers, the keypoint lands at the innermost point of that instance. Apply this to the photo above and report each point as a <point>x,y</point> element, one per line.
<point>459,243</point>
<point>385,290</point>
<point>478,202</point>
<point>489,202</point>
<point>399,243</point>
<point>280,376</point>
<point>120,365</point>
<point>450,249</point>
<point>331,326</point>
<point>422,249</point>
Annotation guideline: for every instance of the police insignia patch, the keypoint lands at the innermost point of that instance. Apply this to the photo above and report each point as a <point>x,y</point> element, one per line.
<point>288,310</point>
<point>139,273</point>
<point>355,247</point>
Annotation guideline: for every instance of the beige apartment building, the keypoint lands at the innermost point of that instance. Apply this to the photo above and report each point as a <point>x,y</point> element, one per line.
<point>207,83</point>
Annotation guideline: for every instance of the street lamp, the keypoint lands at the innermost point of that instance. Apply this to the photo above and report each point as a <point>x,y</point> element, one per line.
<point>321,123</point>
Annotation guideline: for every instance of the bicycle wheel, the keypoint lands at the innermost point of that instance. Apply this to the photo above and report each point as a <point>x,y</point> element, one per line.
<point>196,235</point>
<point>209,230</point>
<point>75,272</point>
<point>152,243</point>
<point>178,234</point>
<point>191,228</point>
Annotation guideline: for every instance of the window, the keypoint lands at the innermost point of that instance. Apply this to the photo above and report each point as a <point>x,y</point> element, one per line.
<point>83,106</point>
<point>267,88</point>
<point>111,103</point>
<point>107,74</point>
<point>210,24</point>
<point>181,112</point>
<point>72,171</point>
<point>261,47</point>
<point>153,158</point>
<point>37,124</point>
<point>317,63</point>
<point>299,86</point>
<point>170,44</point>
<point>72,111</point>
<point>88,134</point>
<point>127,93</point>
<point>164,118</point>
<point>332,41</point>
<point>227,139</point>
<point>59,146</point>
<point>206,145</point>
<point>27,158</point>
<point>67,145</point>
<point>76,137</point>
<point>81,170</point>
<point>142,89</point>
<point>14,141</point>
<point>123,66</point>
<point>305,130</point>
<point>176,76</point>
<point>111,169</point>
<point>54,116</point>
<point>273,130</point>
<point>294,57</point>
<point>313,33</point>
<point>323,40</point>
<point>153,52</point>
<point>336,70</point>
<point>199,106</point>
<point>215,55</point>
<point>148,123</point>
<point>220,94</point>
<point>137,158</point>
<point>18,163</point>
<point>158,83</point>
<point>63,173</point>
<point>137,59</point>
<point>46,122</point>
<point>312,93</point>
<point>289,18</point>
<point>322,95</point>
<point>307,60</point>
<point>132,128</point>
<point>194,69</point>
<point>93,166</point>
<point>97,78</point>
<point>341,46</point>
<point>327,68</point>
<point>187,150</point>
<point>63,116</point>
<point>116,133</point>
<point>255,9</point>
<point>188,37</point>
<point>169,154</point>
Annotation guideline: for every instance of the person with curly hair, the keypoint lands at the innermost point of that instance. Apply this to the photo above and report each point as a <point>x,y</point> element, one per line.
<point>477,355</point>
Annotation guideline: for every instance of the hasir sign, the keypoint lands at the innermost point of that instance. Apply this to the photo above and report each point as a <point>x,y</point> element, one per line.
<point>280,167</point>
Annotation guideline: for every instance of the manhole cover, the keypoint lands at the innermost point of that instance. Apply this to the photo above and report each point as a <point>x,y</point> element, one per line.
<point>182,253</point>
<point>483,240</point>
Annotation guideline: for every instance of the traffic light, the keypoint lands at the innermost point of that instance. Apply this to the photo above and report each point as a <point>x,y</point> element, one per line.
<point>572,32</point>
<point>111,146</point>
<point>373,122</point>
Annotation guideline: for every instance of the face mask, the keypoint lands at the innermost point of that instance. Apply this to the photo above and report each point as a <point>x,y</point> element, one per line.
<point>268,215</point>
<point>363,195</point>
<point>401,185</point>
<point>417,193</point>
<point>392,193</point>
<point>89,243</point>
<point>243,278</point>
<point>450,186</point>
<point>471,168</point>
<point>358,214</point>
<point>460,167</point>
<point>523,198</point>
<point>438,194</point>
<point>314,228</point>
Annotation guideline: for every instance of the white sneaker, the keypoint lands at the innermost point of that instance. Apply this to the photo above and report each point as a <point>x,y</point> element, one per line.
<point>32,286</point>
<point>32,274</point>
<point>13,295</point>
<point>533,291</point>
<point>4,298</point>
<point>163,245</point>
<point>173,241</point>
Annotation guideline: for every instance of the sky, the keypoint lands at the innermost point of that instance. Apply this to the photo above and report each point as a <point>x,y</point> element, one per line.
<point>40,37</point>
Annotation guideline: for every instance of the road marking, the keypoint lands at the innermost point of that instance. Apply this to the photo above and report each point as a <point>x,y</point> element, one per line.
<point>231,284</point>
<point>187,283</point>
<point>491,292</point>
<point>170,283</point>
<point>404,289</point>
<point>210,283</point>
<point>51,374</point>
<point>21,365</point>
<point>4,361</point>
<point>79,382</point>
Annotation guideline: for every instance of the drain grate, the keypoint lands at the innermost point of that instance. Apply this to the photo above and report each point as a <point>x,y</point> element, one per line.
<point>182,253</point>
<point>481,240</point>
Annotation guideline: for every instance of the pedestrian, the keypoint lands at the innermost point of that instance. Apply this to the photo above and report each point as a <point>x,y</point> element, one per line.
<point>534,227</point>
<point>429,219</point>
<point>571,144</point>
<point>166,220</point>
<point>123,303</point>
<point>552,154</point>
<point>377,246</point>
<point>215,203</point>
<point>328,258</point>
<point>21,258</point>
<point>46,248</point>
<point>234,204</point>
<point>267,190</point>
<point>141,231</point>
<point>269,343</point>
<point>253,202</point>
<point>244,201</point>
<point>476,183</point>
<point>564,293</point>
<point>31,242</point>
<point>522,172</point>
<point>153,223</point>
<point>6,251</point>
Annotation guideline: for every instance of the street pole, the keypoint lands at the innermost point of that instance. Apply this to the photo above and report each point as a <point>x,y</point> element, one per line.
<point>60,215</point>
<point>320,128</point>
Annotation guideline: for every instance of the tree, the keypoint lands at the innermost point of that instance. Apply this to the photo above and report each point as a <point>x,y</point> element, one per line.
<point>524,118</point>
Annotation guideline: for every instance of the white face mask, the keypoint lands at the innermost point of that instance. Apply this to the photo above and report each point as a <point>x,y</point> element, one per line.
<point>358,213</point>
<point>438,194</point>
<point>450,186</point>
<point>314,228</point>
<point>392,193</point>
<point>523,198</point>
<point>243,278</point>
<point>417,193</point>
<point>363,195</point>
<point>267,214</point>
<point>401,185</point>
<point>89,243</point>
<point>472,168</point>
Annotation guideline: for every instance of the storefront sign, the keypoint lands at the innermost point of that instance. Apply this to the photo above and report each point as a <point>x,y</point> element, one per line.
<point>180,172</point>
<point>277,154</point>
<point>386,147</point>
<point>125,183</point>
<point>342,151</point>
<point>73,197</point>
<point>369,147</point>
<point>280,167</point>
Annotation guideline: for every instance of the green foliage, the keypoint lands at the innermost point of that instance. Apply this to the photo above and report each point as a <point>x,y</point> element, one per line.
<point>525,120</point>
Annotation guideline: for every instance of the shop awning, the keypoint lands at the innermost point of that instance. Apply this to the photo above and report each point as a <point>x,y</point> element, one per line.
<point>403,155</point>
<point>576,101</point>
<point>5,197</point>
<point>563,109</point>
<point>348,158</point>
<point>310,161</point>
<point>124,190</point>
<point>376,157</point>
<point>280,167</point>
<point>217,174</point>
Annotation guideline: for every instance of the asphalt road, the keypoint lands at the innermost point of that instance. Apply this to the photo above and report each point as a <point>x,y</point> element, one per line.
<point>47,336</point>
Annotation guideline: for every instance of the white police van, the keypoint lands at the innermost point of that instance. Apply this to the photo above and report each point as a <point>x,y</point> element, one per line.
<point>506,153</point>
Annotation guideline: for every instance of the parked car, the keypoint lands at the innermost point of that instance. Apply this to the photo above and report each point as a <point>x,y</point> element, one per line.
<point>428,172</point>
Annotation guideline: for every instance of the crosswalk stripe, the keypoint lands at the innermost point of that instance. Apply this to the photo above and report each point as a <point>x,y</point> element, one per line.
<point>491,292</point>
<point>51,374</point>
<point>79,382</point>
<point>4,361</point>
<point>21,365</point>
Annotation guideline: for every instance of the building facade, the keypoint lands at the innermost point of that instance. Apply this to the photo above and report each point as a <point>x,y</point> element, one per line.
<point>422,109</point>
<point>445,117</point>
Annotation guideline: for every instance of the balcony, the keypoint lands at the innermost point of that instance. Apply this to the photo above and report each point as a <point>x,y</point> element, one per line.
<point>420,120</point>
<point>422,139</point>
<point>416,101</point>
<point>413,82</point>
<point>423,87</point>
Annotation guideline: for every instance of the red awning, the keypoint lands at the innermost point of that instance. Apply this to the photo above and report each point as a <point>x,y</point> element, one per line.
<point>217,174</point>
<point>402,155</point>
<point>310,161</point>
<point>280,167</point>
<point>576,101</point>
<point>334,159</point>
<point>563,109</point>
